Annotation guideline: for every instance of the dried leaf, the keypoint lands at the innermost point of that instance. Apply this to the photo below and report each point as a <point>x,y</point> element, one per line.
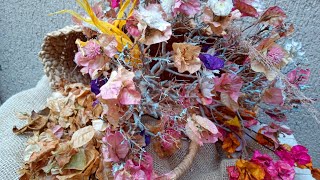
<point>273,96</point>
<point>273,13</point>
<point>249,170</point>
<point>99,125</point>
<point>230,143</point>
<point>78,161</point>
<point>246,9</point>
<point>36,122</point>
<point>229,102</point>
<point>82,136</point>
<point>233,122</point>
<point>316,173</point>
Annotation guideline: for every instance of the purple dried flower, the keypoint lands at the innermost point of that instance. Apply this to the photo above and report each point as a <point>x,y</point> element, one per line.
<point>95,88</point>
<point>211,62</point>
<point>96,84</point>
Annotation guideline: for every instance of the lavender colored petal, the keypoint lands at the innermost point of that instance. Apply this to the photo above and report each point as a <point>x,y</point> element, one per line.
<point>95,88</point>
<point>211,62</point>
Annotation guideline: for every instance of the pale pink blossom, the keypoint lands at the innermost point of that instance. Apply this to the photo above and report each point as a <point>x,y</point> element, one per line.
<point>137,170</point>
<point>230,84</point>
<point>151,25</point>
<point>120,86</point>
<point>117,147</point>
<point>299,76</point>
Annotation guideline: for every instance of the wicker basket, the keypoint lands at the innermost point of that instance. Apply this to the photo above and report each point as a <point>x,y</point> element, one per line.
<point>57,55</point>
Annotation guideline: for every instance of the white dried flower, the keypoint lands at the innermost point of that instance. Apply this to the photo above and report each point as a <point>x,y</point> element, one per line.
<point>220,7</point>
<point>294,48</point>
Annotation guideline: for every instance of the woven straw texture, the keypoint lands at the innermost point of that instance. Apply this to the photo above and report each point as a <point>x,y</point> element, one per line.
<point>58,50</point>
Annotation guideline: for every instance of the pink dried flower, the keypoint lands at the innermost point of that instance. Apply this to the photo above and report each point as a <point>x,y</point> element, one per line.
<point>273,96</point>
<point>284,171</point>
<point>266,162</point>
<point>169,139</point>
<point>271,131</point>
<point>151,25</point>
<point>116,147</point>
<point>229,83</point>
<point>137,170</point>
<point>298,154</point>
<point>115,3</point>
<point>285,156</point>
<point>233,173</point>
<point>276,54</point>
<point>190,8</point>
<point>94,55</point>
<point>121,86</point>
<point>130,171</point>
<point>299,76</point>
<point>132,27</point>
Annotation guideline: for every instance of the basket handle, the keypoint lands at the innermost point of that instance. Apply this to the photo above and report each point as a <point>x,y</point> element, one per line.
<point>184,165</point>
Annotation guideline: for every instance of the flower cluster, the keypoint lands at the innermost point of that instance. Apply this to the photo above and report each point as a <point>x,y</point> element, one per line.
<point>163,73</point>
<point>262,166</point>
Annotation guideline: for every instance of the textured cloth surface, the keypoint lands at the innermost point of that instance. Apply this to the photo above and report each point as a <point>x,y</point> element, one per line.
<point>12,146</point>
<point>209,162</point>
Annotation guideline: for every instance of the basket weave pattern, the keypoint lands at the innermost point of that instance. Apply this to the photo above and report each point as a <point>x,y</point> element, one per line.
<point>57,56</point>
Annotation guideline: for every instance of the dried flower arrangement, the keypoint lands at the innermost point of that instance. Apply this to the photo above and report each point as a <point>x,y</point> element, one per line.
<point>164,73</point>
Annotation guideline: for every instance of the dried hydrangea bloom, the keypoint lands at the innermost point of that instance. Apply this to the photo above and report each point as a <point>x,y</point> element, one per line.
<point>189,8</point>
<point>294,49</point>
<point>186,57</point>
<point>151,25</point>
<point>220,7</point>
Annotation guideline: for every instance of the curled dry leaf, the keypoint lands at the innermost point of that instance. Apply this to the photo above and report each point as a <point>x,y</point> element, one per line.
<point>246,9</point>
<point>274,15</point>
<point>82,136</point>
<point>228,101</point>
<point>36,122</point>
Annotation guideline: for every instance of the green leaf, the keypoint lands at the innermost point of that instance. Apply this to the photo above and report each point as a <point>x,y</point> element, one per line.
<point>78,161</point>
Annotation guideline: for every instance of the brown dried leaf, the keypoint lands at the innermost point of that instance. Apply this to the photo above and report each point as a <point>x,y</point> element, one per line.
<point>82,136</point>
<point>275,15</point>
<point>246,9</point>
<point>36,123</point>
<point>229,102</point>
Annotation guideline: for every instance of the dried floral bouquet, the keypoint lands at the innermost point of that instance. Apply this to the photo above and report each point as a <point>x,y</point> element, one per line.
<point>168,72</point>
